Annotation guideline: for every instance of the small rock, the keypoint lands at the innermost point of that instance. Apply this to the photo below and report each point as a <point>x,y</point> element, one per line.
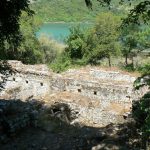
<point>44,148</point>
<point>98,147</point>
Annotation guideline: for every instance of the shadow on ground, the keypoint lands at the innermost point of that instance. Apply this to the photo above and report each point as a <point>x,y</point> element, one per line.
<point>32,125</point>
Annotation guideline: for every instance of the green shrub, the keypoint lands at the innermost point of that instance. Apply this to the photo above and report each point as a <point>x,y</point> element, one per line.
<point>62,63</point>
<point>50,48</point>
<point>128,67</point>
<point>141,109</point>
<point>144,69</point>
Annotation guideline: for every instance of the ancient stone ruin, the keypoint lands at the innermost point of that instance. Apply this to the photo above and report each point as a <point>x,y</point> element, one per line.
<point>99,96</point>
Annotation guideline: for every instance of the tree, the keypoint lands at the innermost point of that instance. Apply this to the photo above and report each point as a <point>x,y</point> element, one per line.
<point>141,108</point>
<point>140,13</point>
<point>50,48</point>
<point>134,39</point>
<point>10,12</point>
<point>104,39</point>
<point>75,42</point>
<point>143,37</point>
<point>28,50</point>
<point>91,46</point>
<point>128,39</point>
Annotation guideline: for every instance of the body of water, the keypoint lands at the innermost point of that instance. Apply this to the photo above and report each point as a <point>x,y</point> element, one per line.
<point>58,31</point>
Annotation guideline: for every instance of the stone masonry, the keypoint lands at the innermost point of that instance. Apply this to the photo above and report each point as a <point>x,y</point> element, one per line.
<point>28,81</point>
<point>100,96</point>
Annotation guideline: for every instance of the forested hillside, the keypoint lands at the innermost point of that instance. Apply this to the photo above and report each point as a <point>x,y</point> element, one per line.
<point>64,10</point>
<point>70,10</point>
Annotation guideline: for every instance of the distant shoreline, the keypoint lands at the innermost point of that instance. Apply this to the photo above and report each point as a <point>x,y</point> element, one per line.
<point>56,22</point>
<point>59,22</point>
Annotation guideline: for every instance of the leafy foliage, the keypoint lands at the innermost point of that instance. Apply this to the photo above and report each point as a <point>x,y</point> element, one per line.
<point>17,31</point>
<point>90,46</point>
<point>28,50</point>
<point>130,42</point>
<point>69,10</point>
<point>141,114</point>
<point>104,39</point>
<point>62,63</point>
<point>50,48</point>
<point>75,42</point>
<point>10,12</point>
<point>144,80</point>
<point>141,109</point>
<point>140,13</point>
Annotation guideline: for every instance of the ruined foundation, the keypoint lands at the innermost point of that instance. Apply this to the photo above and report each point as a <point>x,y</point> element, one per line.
<point>99,96</point>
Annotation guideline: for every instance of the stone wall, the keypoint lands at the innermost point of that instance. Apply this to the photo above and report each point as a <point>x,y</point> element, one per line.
<point>28,81</point>
<point>105,95</point>
<point>109,94</point>
<point>103,85</point>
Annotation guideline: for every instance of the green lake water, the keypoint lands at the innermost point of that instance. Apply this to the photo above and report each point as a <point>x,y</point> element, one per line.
<point>58,31</point>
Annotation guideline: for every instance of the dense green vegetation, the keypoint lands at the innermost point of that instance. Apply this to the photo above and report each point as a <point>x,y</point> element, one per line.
<point>50,48</point>
<point>10,12</point>
<point>103,41</point>
<point>71,10</point>
<point>141,108</point>
<point>106,40</point>
<point>28,48</point>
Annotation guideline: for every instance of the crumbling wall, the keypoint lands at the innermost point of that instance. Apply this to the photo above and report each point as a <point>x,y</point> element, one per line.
<point>27,81</point>
<point>101,91</point>
<point>112,75</point>
<point>112,91</point>
<point>119,90</point>
<point>37,81</point>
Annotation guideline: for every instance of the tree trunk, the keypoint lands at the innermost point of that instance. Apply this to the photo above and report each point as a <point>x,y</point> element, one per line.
<point>132,62</point>
<point>126,59</point>
<point>109,61</point>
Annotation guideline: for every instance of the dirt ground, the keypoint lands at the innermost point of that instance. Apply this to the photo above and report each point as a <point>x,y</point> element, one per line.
<point>56,135</point>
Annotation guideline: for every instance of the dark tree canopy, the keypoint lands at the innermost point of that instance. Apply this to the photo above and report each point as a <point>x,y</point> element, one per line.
<point>139,14</point>
<point>10,11</point>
